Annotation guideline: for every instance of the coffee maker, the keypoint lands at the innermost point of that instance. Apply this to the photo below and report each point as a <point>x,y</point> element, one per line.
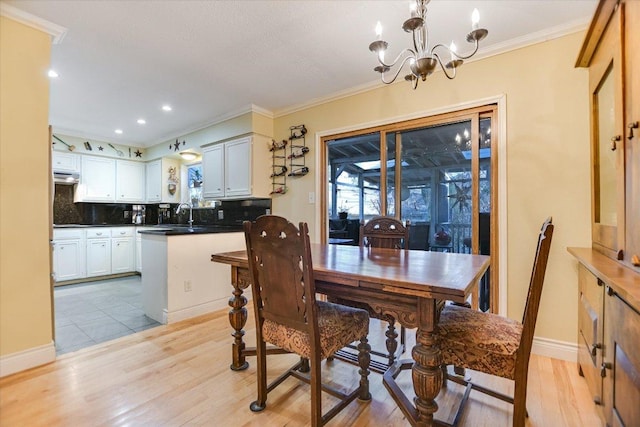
<point>164,213</point>
<point>138,214</point>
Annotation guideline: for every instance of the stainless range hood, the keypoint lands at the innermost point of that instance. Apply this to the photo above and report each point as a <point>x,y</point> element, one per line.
<point>67,178</point>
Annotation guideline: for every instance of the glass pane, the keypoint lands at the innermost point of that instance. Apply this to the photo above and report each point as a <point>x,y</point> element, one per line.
<point>194,179</point>
<point>605,212</point>
<point>354,185</point>
<point>391,172</point>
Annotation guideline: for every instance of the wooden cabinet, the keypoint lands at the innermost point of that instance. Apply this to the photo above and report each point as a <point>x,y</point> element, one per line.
<point>98,252</point>
<point>237,169</point>
<point>65,162</point>
<point>590,330</point>
<point>621,364</point>
<point>68,255</point>
<point>609,335</point>
<point>611,52</point>
<point>154,181</point>
<point>122,250</point>
<point>98,180</point>
<point>130,181</point>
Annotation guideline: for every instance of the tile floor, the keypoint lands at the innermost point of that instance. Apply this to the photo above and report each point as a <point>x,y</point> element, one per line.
<point>90,313</point>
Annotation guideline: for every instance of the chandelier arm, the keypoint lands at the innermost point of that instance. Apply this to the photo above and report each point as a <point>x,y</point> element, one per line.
<point>477,45</point>
<point>444,69</point>
<point>395,76</point>
<point>395,61</point>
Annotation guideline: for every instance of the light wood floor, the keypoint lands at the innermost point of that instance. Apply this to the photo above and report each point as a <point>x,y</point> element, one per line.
<point>179,375</point>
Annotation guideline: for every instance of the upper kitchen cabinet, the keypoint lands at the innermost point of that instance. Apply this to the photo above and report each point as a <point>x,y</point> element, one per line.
<point>98,180</point>
<point>65,162</point>
<point>110,180</point>
<point>158,180</point>
<point>236,169</point>
<point>130,178</point>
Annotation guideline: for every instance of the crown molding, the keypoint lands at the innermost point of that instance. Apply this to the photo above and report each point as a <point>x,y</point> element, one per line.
<point>491,50</point>
<point>57,32</point>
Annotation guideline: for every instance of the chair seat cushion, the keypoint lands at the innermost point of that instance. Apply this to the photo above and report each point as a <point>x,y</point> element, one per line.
<point>480,341</point>
<point>338,326</point>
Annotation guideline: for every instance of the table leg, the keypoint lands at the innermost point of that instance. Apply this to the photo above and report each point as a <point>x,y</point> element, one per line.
<point>426,372</point>
<point>237,318</point>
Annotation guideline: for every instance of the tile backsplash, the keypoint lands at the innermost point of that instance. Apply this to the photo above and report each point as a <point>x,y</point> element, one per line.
<point>225,213</point>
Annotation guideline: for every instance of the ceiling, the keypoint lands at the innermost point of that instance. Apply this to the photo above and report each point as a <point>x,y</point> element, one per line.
<point>120,61</point>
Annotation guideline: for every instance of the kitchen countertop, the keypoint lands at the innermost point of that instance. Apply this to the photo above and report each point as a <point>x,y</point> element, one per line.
<point>165,229</point>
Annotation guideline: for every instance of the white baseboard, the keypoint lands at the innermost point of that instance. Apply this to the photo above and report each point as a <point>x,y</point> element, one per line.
<point>27,359</point>
<point>555,349</point>
<point>196,310</point>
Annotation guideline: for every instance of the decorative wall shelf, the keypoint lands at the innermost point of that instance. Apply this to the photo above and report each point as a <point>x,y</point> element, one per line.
<point>297,151</point>
<point>279,166</point>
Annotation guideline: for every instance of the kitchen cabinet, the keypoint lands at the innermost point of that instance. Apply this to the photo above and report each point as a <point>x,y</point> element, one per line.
<point>122,250</point>
<point>97,181</point>
<point>157,180</point>
<point>98,251</point>
<point>130,181</point>
<point>213,171</point>
<point>154,181</point>
<point>68,255</point>
<point>236,169</point>
<point>65,162</point>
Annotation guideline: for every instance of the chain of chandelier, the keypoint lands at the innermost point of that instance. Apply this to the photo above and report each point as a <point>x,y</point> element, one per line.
<point>422,60</point>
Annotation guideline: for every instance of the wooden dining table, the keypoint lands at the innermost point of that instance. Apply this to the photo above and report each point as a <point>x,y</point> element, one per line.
<point>408,285</point>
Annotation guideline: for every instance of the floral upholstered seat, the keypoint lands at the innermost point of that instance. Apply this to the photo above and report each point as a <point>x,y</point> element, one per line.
<point>480,341</point>
<point>337,325</point>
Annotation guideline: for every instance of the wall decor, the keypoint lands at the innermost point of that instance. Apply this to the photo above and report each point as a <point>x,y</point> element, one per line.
<point>176,145</point>
<point>279,166</point>
<point>173,180</point>
<point>298,151</point>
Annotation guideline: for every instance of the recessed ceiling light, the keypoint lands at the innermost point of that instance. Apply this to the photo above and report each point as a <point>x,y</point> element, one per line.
<point>52,74</point>
<point>166,108</point>
<point>142,122</point>
<point>118,131</point>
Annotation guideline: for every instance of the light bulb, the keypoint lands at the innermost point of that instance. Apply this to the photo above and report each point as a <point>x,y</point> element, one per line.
<point>453,48</point>
<point>413,9</point>
<point>379,30</point>
<point>475,19</point>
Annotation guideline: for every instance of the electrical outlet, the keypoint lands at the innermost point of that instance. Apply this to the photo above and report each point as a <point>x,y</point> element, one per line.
<point>187,286</point>
<point>220,214</point>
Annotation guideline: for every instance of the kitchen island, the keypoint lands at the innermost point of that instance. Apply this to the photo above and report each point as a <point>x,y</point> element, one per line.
<point>178,279</point>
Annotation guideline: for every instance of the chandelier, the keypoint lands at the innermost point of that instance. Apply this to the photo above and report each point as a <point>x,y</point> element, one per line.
<point>422,60</point>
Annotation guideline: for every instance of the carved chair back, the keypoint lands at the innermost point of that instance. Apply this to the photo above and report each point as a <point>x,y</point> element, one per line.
<point>384,232</point>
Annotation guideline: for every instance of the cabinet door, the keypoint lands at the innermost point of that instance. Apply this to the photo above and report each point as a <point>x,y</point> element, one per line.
<point>621,365</point>
<point>98,179</point>
<point>129,181</point>
<point>154,181</point>
<point>67,260</point>
<point>213,171</point>
<point>65,162</point>
<point>238,168</point>
<point>122,255</point>
<point>98,257</point>
<point>590,330</point>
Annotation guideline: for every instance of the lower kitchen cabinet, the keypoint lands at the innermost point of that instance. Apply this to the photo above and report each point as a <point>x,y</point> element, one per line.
<point>122,250</point>
<point>68,255</point>
<point>98,252</point>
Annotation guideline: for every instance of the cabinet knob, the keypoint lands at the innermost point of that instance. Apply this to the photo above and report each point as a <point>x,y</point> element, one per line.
<point>614,139</point>
<point>595,347</point>
<point>98,234</point>
<point>604,367</point>
<point>631,127</point>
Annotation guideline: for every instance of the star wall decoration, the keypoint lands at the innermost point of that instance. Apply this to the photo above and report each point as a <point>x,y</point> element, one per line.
<point>101,148</point>
<point>461,197</point>
<point>138,153</point>
<point>176,146</point>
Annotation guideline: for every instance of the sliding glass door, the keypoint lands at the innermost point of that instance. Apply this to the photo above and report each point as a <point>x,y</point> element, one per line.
<point>436,173</point>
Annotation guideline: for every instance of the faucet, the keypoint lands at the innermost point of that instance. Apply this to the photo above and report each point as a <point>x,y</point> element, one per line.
<point>190,206</point>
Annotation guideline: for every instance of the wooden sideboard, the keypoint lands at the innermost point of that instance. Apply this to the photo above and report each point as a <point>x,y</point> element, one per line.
<point>609,271</point>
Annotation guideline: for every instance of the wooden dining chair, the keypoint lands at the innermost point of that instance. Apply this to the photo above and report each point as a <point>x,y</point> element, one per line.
<point>289,316</point>
<point>494,344</point>
<point>385,232</point>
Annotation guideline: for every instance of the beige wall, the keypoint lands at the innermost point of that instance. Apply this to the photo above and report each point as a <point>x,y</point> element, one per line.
<point>25,295</point>
<point>547,158</point>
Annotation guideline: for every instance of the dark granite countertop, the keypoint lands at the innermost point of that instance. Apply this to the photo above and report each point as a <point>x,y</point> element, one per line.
<point>165,229</point>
